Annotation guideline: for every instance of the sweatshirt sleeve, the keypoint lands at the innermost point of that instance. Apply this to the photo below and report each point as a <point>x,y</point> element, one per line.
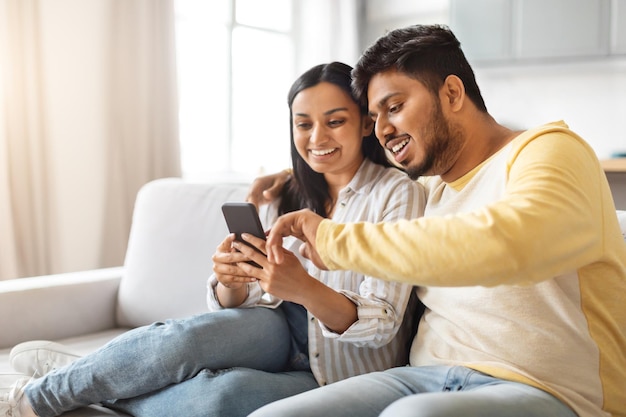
<point>546,223</point>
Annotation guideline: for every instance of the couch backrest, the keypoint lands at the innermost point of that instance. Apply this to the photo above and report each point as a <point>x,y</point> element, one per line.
<point>175,229</point>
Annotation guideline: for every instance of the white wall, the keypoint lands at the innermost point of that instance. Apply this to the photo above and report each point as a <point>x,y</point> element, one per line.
<point>589,96</point>
<point>75,115</point>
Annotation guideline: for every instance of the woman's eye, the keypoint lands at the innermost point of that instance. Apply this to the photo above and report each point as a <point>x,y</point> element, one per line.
<point>335,123</point>
<point>395,108</point>
<point>303,126</point>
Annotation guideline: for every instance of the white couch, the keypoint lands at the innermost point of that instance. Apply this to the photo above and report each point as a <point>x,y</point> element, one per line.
<point>175,230</point>
<point>176,227</point>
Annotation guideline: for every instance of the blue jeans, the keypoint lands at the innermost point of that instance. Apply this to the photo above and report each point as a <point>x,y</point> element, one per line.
<point>223,363</point>
<point>430,391</point>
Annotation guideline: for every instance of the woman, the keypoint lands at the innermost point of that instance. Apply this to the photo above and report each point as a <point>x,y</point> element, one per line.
<point>321,326</point>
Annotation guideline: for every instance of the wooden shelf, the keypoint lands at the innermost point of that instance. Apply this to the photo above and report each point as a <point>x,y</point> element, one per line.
<point>614,165</point>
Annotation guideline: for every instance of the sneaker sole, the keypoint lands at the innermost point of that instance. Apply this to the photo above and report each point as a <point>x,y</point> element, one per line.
<point>32,358</point>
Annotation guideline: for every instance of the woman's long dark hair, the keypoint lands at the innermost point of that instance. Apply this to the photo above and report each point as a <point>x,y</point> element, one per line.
<point>307,188</point>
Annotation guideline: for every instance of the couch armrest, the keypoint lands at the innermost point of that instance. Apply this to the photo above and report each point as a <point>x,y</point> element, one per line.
<point>58,306</point>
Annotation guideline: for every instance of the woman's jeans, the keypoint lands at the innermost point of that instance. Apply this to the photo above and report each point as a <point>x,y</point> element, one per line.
<point>223,363</point>
<point>427,391</point>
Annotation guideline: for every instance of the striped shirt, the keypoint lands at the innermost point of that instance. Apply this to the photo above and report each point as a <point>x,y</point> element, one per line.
<point>378,339</point>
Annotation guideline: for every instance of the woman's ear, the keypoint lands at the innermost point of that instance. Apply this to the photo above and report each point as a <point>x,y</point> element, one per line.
<point>368,125</point>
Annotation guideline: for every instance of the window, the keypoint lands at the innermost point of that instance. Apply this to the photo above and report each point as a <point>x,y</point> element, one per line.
<point>235,66</point>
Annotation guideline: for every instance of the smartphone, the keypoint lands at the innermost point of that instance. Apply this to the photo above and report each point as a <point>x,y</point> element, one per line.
<point>243,218</point>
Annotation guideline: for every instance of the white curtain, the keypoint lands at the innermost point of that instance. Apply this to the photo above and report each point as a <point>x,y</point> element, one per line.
<point>25,205</point>
<point>140,142</point>
<point>326,30</point>
<point>143,142</point>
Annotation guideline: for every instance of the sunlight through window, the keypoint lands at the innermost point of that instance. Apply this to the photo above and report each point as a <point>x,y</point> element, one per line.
<point>235,65</point>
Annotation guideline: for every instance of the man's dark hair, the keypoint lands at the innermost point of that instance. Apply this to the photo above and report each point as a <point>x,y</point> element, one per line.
<point>426,53</point>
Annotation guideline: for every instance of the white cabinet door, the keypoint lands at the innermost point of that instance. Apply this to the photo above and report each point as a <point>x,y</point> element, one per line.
<point>483,27</point>
<point>561,28</point>
<point>523,30</point>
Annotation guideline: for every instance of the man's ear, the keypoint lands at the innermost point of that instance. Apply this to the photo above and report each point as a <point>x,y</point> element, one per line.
<point>368,125</point>
<point>453,92</point>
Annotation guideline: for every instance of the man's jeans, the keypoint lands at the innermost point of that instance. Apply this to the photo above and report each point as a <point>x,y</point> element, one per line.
<point>222,363</point>
<point>433,391</point>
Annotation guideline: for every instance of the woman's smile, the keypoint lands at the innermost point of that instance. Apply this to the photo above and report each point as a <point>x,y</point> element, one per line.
<point>321,153</point>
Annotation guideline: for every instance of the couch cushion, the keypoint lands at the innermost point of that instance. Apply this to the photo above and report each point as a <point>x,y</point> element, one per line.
<point>175,229</point>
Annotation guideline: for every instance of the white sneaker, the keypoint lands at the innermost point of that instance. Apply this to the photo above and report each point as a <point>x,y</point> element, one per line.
<point>11,393</point>
<point>39,357</point>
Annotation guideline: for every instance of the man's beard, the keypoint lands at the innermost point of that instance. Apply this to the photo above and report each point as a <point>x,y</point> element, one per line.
<point>440,143</point>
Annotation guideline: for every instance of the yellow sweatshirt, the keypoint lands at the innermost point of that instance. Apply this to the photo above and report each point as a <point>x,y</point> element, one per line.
<point>522,268</point>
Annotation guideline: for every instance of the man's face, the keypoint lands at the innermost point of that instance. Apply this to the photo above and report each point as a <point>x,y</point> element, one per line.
<point>411,124</point>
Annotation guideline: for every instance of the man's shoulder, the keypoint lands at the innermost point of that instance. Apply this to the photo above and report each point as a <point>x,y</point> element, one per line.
<point>548,139</point>
<point>544,131</point>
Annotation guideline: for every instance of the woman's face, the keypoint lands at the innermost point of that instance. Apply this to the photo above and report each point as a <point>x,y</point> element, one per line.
<point>328,129</point>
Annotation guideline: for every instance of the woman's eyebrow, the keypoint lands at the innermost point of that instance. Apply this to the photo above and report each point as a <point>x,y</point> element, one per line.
<point>335,110</point>
<point>326,113</point>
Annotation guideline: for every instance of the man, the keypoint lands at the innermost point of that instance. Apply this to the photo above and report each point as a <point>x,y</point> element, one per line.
<point>519,259</point>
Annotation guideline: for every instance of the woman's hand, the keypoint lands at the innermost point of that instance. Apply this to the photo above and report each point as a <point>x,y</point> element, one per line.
<point>286,281</point>
<point>267,188</point>
<point>291,282</point>
<point>232,288</point>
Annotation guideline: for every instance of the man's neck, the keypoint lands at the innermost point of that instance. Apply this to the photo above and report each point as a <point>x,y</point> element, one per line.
<point>482,141</point>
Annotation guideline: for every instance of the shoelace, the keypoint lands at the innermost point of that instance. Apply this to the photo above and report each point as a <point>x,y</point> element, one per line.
<point>10,400</point>
<point>13,397</point>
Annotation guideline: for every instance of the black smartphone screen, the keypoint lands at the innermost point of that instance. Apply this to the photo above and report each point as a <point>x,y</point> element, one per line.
<point>243,218</point>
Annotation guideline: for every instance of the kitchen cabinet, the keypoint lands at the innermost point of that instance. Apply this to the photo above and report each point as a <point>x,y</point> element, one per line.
<point>615,170</point>
<point>483,27</point>
<point>561,28</point>
<point>618,25</point>
<point>537,30</point>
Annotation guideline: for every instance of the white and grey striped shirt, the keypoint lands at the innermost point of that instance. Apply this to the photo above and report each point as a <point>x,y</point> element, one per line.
<point>378,340</point>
